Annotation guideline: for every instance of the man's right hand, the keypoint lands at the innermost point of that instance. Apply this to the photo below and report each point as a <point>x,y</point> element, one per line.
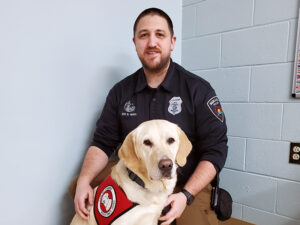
<point>84,196</point>
<point>94,162</point>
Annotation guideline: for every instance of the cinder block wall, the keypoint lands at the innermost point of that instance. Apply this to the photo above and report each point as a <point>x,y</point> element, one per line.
<point>246,49</point>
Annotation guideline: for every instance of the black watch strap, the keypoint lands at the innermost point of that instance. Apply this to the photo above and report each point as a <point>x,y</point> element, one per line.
<point>190,198</point>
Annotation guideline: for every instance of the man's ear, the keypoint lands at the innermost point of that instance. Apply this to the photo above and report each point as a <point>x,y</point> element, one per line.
<point>185,147</point>
<point>173,40</point>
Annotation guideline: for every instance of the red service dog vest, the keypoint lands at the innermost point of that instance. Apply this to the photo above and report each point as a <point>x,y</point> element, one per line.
<point>110,202</point>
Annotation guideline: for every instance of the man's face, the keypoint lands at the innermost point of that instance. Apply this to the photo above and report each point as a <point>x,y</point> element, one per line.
<point>153,42</point>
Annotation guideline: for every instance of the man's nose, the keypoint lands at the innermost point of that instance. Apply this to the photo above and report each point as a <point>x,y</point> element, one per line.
<point>152,41</point>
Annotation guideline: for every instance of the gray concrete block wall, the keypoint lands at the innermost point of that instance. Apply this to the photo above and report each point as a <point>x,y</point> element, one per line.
<point>246,50</point>
<point>257,45</point>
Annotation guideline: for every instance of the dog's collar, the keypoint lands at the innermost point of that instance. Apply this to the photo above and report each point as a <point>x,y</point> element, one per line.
<point>135,178</point>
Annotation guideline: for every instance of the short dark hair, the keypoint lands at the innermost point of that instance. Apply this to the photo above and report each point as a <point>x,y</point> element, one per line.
<point>154,11</point>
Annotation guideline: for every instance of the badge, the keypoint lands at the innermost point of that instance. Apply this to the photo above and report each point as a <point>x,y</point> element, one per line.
<point>215,107</point>
<point>107,201</point>
<point>175,105</point>
<point>129,107</point>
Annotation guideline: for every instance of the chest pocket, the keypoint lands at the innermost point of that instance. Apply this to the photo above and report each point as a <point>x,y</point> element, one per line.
<point>129,116</point>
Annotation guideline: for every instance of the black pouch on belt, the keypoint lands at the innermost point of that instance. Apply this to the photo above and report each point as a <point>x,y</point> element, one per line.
<point>221,201</point>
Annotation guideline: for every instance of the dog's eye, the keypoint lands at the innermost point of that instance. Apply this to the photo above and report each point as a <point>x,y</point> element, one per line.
<point>148,142</point>
<point>170,140</point>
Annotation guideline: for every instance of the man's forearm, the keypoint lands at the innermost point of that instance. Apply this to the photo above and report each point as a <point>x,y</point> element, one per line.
<point>94,162</point>
<point>202,176</point>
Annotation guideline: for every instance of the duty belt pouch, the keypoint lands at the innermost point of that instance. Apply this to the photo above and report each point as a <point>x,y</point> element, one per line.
<point>221,201</point>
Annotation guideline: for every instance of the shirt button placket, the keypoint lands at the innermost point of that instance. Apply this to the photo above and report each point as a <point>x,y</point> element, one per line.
<point>153,106</point>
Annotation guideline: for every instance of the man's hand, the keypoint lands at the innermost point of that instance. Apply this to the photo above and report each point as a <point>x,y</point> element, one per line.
<point>84,196</point>
<point>95,160</point>
<point>178,204</point>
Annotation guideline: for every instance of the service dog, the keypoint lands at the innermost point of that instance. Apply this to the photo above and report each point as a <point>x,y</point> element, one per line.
<point>145,175</point>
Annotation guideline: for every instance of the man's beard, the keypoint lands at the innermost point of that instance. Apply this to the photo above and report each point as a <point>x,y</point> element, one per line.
<point>162,64</point>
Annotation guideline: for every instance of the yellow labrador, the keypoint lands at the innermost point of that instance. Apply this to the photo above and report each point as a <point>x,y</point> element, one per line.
<point>146,173</point>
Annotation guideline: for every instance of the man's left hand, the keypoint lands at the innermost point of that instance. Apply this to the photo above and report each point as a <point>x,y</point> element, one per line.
<point>178,204</point>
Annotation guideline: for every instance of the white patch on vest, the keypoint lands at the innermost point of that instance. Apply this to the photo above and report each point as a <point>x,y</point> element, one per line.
<point>175,105</point>
<point>107,201</point>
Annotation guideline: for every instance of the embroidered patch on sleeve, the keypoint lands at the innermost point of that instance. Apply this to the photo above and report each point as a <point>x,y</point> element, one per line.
<point>215,107</point>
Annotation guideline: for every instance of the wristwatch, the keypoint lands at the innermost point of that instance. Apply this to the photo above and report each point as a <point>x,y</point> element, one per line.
<point>189,197</point>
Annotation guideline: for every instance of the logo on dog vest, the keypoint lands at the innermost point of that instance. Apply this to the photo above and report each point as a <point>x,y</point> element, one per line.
<point>215,107</point>
<point>110,202</point>
<point>107,201</point>
<point>175,105</point>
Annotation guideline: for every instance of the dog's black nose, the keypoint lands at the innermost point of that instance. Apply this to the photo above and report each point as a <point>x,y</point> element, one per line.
<point>165,166</point>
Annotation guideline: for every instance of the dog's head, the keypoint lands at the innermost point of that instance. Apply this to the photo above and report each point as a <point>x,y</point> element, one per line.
<point>154,149</point>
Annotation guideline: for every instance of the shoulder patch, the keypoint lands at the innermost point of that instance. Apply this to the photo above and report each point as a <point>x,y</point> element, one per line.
<point>215,107</point>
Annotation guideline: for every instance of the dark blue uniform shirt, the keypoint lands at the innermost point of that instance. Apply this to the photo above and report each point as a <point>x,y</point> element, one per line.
<point>182,98</point>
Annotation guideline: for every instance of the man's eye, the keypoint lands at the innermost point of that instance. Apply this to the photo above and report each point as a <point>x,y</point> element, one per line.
<point>160,35</point>
<point>143,35</point>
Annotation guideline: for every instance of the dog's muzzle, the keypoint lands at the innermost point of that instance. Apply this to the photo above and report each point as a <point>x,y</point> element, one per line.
<point>165,166</point>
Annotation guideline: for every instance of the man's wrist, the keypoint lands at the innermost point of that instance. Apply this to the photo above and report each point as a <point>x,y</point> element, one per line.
<point>189,197</point>
<point>83,180</point>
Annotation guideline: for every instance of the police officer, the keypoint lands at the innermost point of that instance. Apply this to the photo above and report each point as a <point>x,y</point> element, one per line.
<point>162,89</point>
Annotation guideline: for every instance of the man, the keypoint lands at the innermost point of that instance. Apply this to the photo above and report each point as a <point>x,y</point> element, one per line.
<point>162,89</point>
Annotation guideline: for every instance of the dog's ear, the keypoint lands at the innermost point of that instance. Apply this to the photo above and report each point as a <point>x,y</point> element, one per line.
<point>185,147</point>
<point>127,151</point>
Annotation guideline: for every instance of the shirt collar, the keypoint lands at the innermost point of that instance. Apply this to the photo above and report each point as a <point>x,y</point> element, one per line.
<point>166,84</point>
<point>141,81</point>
